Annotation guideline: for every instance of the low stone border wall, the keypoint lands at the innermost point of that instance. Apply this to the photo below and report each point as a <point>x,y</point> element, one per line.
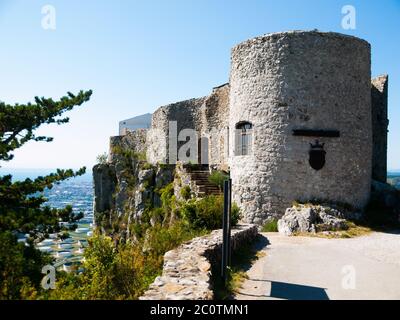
<point>187,269</point>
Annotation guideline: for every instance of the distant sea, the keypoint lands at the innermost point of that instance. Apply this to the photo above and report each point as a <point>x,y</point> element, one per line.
<point>77,192</point>
<point>394,178</point>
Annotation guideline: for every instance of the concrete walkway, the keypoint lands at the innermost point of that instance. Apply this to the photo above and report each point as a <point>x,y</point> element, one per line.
<point>366,267</point>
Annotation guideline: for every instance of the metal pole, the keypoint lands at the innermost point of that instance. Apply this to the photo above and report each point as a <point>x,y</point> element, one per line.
<point>225,217</point>
<point>229,251</point>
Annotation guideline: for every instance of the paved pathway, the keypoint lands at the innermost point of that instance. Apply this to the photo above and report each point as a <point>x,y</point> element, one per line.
<point>366,267</point>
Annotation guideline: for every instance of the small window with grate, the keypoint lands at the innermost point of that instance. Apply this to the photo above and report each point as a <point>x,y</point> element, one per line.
<point>243,140</point>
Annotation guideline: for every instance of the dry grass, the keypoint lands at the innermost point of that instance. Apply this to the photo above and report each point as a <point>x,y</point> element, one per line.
<point>353,231</point>
<point>237,279</point>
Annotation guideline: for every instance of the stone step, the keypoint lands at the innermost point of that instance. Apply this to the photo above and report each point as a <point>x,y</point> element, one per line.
<point>209,189</point>
<point>199,172</point>
<point>205,183</point>
<point>203,194</point>
<point>200,178</point>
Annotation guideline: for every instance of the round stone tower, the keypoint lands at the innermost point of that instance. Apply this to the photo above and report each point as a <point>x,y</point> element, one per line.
<point>300,122</point>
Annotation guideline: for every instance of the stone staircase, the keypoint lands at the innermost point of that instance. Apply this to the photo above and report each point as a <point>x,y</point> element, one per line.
<point>200,178</point>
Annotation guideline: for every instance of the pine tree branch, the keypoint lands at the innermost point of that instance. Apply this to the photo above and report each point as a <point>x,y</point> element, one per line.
<point>15,119</point>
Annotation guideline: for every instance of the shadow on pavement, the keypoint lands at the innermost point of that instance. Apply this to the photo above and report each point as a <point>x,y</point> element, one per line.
<point>261,243</point>
<point>291,291</point>
<point>246,260</point>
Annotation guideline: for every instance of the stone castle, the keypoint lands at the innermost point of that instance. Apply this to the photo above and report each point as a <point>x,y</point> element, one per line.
<point>299,120</point>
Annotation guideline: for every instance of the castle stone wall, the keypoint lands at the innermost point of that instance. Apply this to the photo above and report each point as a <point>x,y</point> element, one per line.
<point>133,140</point>
<point>215,123</point>
<point>157,137</point>
<point>208,116</point>
<point>301,80</point>
<point>380,122</point>
<point>185,113</point>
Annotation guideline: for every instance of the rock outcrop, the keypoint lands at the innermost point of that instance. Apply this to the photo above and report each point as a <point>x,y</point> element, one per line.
<point>104,186</point>
<point>313,218</point>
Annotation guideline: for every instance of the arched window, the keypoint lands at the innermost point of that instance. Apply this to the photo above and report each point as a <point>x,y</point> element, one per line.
<point>243,139</point>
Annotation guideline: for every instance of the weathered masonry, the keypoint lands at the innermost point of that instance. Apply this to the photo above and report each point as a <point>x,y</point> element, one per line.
<point>298,120</point>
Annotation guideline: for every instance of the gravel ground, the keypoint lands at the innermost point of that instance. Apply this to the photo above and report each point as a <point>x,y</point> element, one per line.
<point>296,268</point>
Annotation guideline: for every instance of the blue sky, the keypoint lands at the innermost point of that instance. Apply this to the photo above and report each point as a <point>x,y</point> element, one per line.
<point>138,55</point>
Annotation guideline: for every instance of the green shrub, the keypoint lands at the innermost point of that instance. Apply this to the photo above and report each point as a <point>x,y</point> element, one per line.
<point>138,229</point>
<point>165,166</point>
<point>163,239</point>
<point>150,213</point>
<point>109,273</point>
<point>145,185</point>
<point>146,166</point>
<point>218,178</point>
<point>207,213</point>
<point>167,197</point>
<point>141,156</point>
<point>270,226</point>
<point>186,192</point>
<point>157,214</point>
<point>169,203</point>
<point>124,272</point>
<point>20,268</point>
<point>192,166</point>
<point>129,154</point>
<point>102,158</point>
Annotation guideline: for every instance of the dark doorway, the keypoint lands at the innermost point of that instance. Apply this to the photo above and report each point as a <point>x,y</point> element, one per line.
<point>202,151</point>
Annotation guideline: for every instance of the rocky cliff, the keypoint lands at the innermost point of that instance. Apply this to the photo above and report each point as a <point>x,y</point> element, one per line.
<point>126,185</point>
